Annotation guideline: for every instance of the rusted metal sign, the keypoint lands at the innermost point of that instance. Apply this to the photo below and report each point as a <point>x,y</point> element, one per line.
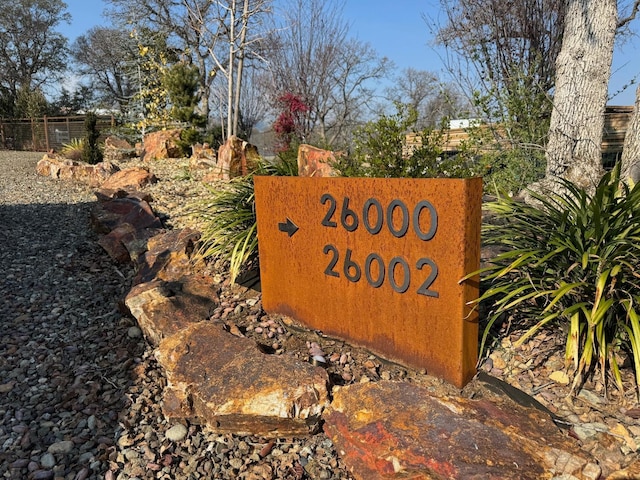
<point>376,262</point>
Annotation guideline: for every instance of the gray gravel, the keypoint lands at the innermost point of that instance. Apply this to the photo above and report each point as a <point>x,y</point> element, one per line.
<point>79,394</point>
<point>65,355</point>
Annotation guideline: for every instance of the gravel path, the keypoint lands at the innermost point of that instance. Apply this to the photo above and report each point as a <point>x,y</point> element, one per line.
<point>65,355</point>
<point>80,391</point>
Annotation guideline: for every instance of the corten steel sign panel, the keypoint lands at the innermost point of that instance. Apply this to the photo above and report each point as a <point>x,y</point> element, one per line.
<point>377,262</point>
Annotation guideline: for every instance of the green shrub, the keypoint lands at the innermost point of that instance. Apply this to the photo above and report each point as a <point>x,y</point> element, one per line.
<point>380,151</point>
<point>188,137</point>
<point>184,174</point>
<point>230,230</point>
<point>91,152</point>
<point>286,162</point>
<point>513,170</point>
<point>572,262</point>
<point>213,136</point>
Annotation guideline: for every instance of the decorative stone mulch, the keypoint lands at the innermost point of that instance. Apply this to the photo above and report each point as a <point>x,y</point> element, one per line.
<point>80,390</point>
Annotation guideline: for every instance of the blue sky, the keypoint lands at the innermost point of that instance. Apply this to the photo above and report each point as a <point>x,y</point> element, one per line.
<point>397,30</point>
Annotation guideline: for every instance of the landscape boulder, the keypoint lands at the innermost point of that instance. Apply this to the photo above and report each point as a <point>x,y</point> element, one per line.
<point>236,157</point>
<point>117,149</point>
<point>168,256</point>
<point>55,166</point>
<point>228,383</point>
<point>398,430</point>
<point>105,216</point>
<point>129,178</point>
<point>316,162</point>
<point>163,308</point>
<point>162,144</point>
<point>202,157</point>
<point>126,243</point>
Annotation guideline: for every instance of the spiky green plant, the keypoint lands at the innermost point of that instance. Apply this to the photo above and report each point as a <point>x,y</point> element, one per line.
<point>73,150</point>
<point>229,220</point>
<point>572,261</point>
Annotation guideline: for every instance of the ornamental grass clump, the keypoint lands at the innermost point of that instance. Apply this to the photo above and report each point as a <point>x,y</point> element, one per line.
<point>573,262</point>
<point>73,150</point>
<point>228,216</point>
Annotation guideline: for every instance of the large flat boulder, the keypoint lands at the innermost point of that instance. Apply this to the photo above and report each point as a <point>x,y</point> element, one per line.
<point>397,430</point>
<point>129,179</point>
<point>228,383</point>
<point>55,166</point>
<point>163,308</point>
<point>105,216</point>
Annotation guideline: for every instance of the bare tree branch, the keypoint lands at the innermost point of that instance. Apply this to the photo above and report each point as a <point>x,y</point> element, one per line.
<point>622,22</point>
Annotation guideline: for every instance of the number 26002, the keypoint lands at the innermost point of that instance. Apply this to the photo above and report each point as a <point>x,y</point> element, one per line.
<point>376,270</point>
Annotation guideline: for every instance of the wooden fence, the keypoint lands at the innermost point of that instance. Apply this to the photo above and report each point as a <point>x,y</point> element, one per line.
<point>45,133</point>
<point>616,120</point>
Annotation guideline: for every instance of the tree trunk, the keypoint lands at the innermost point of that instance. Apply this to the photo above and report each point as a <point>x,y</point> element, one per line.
<point>631,151</point>
<point>582,74</point>
<point>230,68</point>
<point>241,48</point>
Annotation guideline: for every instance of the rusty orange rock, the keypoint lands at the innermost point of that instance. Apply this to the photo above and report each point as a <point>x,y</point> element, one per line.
<point>129,178</point>
<point>397,430</point>
<point>164,308</point>
<point>55,166</point>
<point>108,215</point>
<point>316,162</point>
<point>162,144</point>
<point>231,385</point>
<point>168,256</point>
<point>236,157</point>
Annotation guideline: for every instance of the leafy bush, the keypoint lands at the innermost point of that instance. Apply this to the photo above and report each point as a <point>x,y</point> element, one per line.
<point>380,151</point>
<point>512,170</point>
<point>230,229</point>
<point>572,262</point>
<point>289,126</point>
<point>73,150</point>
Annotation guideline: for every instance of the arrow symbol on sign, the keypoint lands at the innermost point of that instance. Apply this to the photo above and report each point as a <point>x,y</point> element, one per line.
<point>289,227</point>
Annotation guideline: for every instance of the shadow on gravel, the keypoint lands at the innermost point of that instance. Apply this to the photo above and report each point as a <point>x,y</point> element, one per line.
<point>69,359</point>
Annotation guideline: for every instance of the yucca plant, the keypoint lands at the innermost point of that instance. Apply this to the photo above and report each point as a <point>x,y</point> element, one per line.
<point>73,150</point>
<point>572,262</point>
<point>229,220</point>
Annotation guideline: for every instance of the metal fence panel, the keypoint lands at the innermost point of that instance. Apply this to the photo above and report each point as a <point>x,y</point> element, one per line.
<point>45,133</point>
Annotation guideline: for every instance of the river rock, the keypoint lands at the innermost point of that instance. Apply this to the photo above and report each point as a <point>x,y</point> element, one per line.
<point>176,433</point>
<point>48,460</point>
<point>65,446</point>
